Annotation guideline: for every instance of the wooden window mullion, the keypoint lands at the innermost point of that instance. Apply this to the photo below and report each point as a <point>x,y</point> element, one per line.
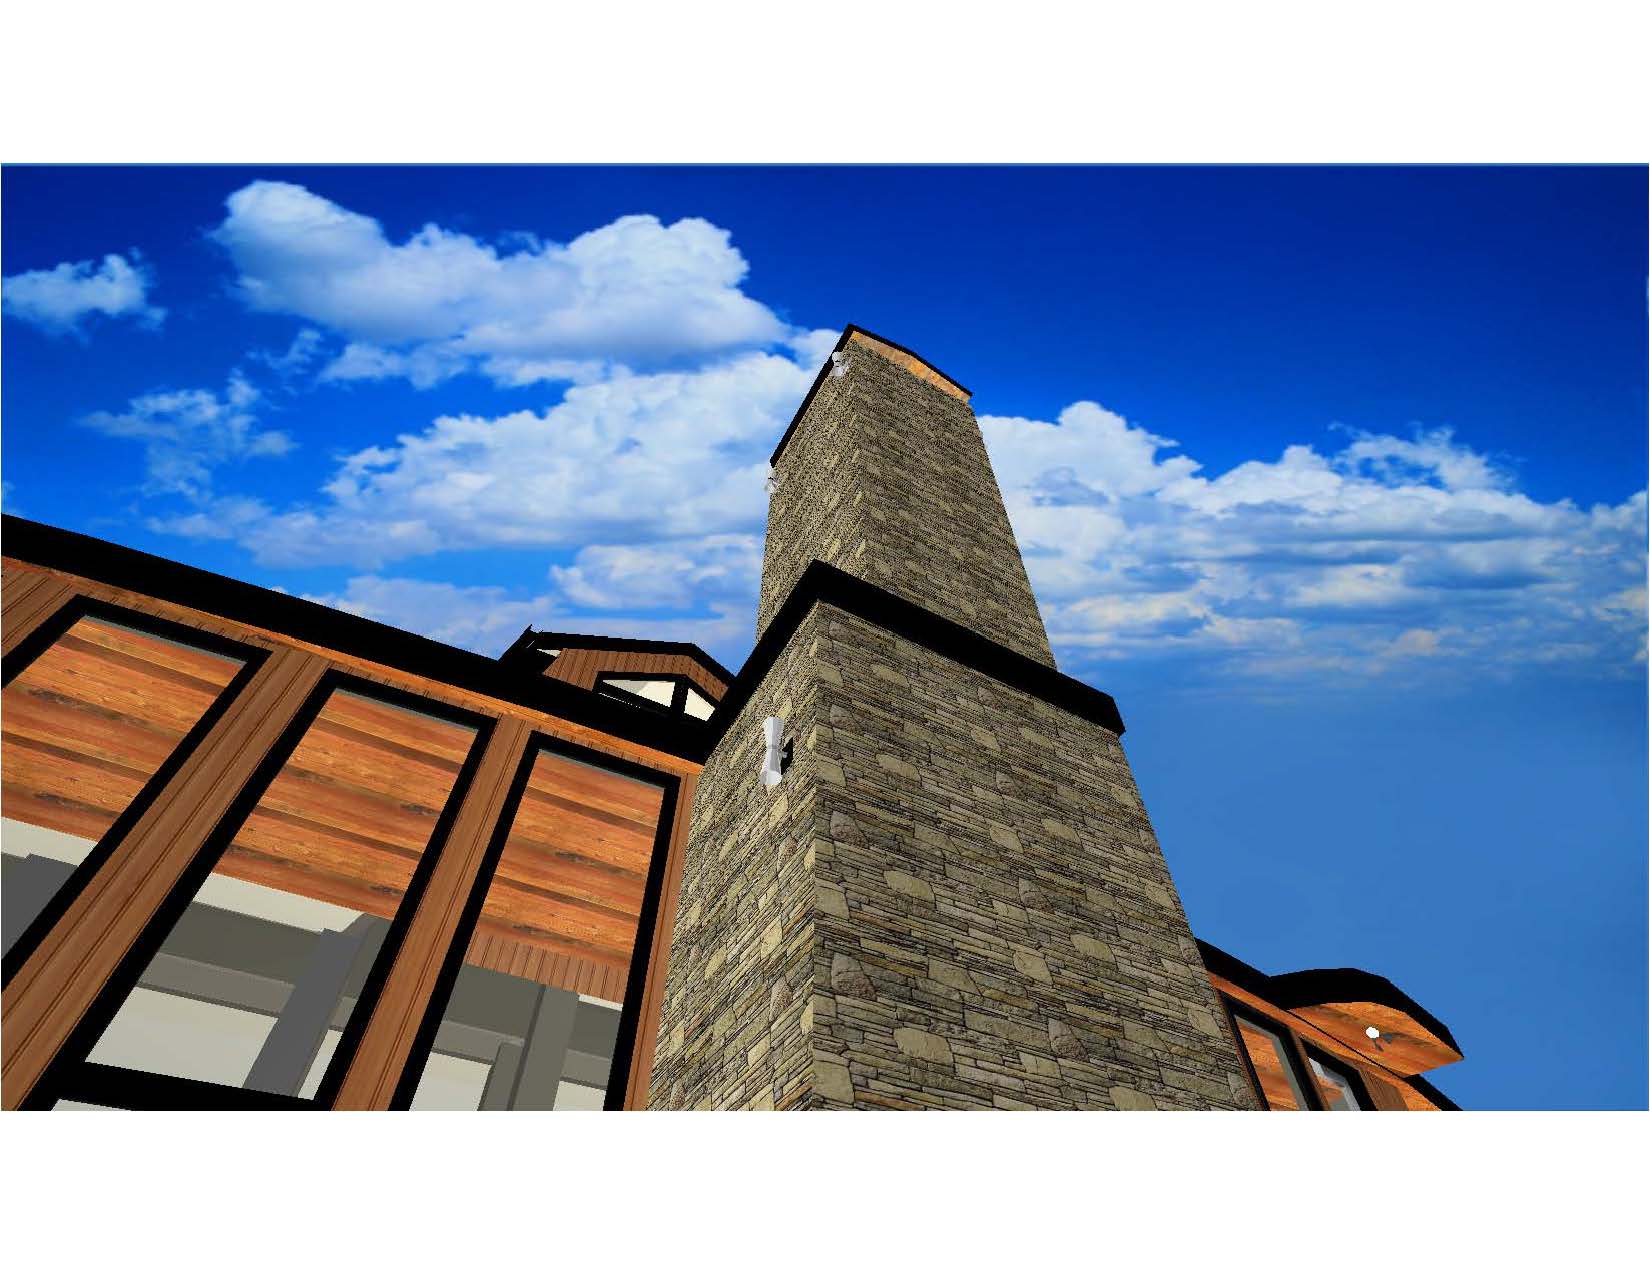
<point>374,1072</point>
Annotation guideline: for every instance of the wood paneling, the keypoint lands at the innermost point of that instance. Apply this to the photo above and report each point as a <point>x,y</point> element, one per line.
<point>28,598</point>
<point>370,670</point>
<point>581,667</point>
<point>94,717</point>
<point>58,983</point>
<point>350,813</point>
<point>1381,1081</point>
<point>563,910</point>
<point>570,881</point>
<point>1405,1047</point>
<point>378,1063</point>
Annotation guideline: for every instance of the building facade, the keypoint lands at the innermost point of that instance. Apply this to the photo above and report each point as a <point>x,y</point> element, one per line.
<point>259,853</point>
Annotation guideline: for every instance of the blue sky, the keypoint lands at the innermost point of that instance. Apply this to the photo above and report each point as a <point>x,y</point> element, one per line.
<point>1333,477</point>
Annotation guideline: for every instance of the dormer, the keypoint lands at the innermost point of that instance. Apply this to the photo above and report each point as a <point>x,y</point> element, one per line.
<point>675,678</point>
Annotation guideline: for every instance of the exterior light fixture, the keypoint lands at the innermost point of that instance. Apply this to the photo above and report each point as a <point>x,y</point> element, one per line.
<point>771,484</point>
<point>773,760</point>
<point>1374,1033</point>
<point>839,363</point>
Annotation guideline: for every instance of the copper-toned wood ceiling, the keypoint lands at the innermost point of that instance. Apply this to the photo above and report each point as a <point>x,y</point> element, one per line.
<point>93,717</point>
<point>351,811</point>
<point>564,903</point>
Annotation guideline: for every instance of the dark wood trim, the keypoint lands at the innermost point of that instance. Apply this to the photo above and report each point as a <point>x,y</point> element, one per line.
<point>131,1090</point>
<point>286,615</point>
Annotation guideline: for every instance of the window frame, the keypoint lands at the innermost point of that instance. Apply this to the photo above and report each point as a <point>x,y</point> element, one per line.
<point>630,1012</point>
<point>70,1075</point>
<point>678,699</point>
<point>44,637</point>
<point>1291,1053</point>
<point>1354,1075</point>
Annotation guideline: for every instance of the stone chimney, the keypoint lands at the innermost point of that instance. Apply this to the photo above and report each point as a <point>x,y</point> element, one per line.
<point>954,898</point>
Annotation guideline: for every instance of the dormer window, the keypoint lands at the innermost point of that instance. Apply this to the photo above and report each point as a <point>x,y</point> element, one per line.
<point>661,694</point>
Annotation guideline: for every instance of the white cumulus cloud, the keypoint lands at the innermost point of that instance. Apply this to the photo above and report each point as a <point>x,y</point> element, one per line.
<point>664,459</point>
<point>187,434</point>
<point>635,293</point>
<point>1385,550</point>
<point>486,619</point>
<point>61,299</point>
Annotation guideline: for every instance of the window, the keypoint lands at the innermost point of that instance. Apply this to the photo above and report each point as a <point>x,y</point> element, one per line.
<point>270,963</point>
<point>656,690</point>
<point>662,694</point>
<point>1272,1061</point>
<point>533,1018</point>
<point>91,721</point>
<point>1340,1087</point>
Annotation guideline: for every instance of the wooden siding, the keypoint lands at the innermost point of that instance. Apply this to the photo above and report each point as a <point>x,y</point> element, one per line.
<point>569,890</point>
<point>1388,1089</point>
<point>92,719</point>
<point>368,669</point>
<point>581,667</point>
<point>350,813</point>
<point>28,598</point>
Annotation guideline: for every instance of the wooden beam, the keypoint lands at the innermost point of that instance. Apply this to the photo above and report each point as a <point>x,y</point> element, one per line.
<point>57,985</point>
<point>370,1083</point>
<point>27,600</point>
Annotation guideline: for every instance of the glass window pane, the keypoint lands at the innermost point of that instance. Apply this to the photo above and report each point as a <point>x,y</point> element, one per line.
<point>254,984</point>
<point>1334,1085</point>
<point>660,692</point>
<point>534,1014</point>
<point>87,724</point>
<point>1278,1082</point>
<point>698,706</point>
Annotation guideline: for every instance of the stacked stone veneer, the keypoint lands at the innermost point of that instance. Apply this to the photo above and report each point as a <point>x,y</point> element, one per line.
<point>887,477</point>
<point>955,898</point>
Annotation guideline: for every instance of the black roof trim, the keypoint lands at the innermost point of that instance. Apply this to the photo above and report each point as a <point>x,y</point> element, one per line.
<point>824,371</point>
<point>328,627</point>
<point>533,638</point>
<point>823,583</point>
<point>1304,988</point>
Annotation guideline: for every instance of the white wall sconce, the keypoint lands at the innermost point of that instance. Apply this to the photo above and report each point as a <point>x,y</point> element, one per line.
<point>839,364</point>
<point>776,757</point>
<point>771,483</point>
